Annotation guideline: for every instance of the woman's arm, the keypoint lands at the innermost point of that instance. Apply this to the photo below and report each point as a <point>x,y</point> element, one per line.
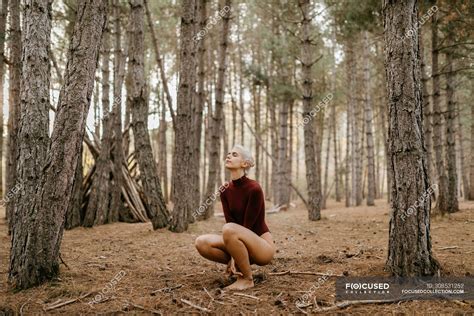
<point>255,209</point>
<point>226,209</point>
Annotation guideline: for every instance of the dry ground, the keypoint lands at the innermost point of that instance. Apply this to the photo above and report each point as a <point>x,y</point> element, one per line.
<point>157,270</point>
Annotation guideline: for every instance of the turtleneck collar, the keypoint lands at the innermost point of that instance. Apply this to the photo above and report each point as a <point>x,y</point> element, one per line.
<point>240,181</point>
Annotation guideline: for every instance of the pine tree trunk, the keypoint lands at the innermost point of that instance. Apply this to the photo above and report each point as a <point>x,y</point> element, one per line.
<point>409,249</point>
<point>3,20</point>
<point>356,134</point>
<point>283,197</point>
<point>14,107</point>
<point>471,166</point>
<point>137,102</point>
<point>163,152</point>
<point>96,110</point>
<point>313,177</point>
<point>326,167</point>
<point>333,123</point>
<point>116,204</point>
<point>452,193</point>
<point>353,118</point>
<point>215,121</point>
<point>73,213</point>
<point>33,138</point>
<point>464,172</point>
<point>441,205</point>
<point>198,107</point>
<point>34,256</point>
<point>98,207</point>
<point>183,144</point>
<point>427,128</point>
<point>348,159</point>
<point>368,127</point>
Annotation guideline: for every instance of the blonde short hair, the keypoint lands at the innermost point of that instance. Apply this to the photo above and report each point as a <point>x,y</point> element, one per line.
<point>247,156</point>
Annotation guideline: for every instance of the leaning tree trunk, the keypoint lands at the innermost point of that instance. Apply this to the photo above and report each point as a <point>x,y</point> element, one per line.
<point>98,206</point>
<point>136,100</point>
<point>73,213</point>
<point>3,20</point>
<point>409,248</point>
<point>368,127</point>
<point>313,177</point>
<point>452,204</point>
<point>14,106</point>
<point>216,119</point>
<point>441,203</point>
<point>34,256</point>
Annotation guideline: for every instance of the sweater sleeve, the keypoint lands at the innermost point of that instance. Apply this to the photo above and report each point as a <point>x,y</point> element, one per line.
<point>226,209</point>
<point>255,209</point>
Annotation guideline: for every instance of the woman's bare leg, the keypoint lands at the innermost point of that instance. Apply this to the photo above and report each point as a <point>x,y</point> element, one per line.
<point>211,246</point>
<point>244,245</point>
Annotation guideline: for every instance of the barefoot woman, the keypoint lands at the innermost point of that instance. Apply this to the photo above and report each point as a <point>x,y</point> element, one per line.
<point>245,237</point>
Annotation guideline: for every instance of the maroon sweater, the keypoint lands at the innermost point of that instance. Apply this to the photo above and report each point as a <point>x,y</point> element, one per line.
<point>243,204</point>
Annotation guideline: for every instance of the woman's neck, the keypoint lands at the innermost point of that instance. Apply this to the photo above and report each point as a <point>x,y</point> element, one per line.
<point>236,174</point>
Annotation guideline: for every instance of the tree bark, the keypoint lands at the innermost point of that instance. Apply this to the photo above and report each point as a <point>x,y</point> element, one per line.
<point>313,176</point>
<point>471,166</point>
<point>441,205</point>
<point>34,256</point>
<point>283,196</point>
<point>198,107</point>
<point>98,207</point>
<point>409,248</point>
<point>116,204</point>
<point>353,118</point>
<point>137,102</point>
<point>368,126</point>
<point>183,151</point>
<point>452,204</point>
<point>427,128</point>
<point>14,105</point>
<point>3,20</point>
<point>216,119</point>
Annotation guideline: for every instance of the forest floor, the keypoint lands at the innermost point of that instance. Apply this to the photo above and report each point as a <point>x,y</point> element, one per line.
<point>159,271</point>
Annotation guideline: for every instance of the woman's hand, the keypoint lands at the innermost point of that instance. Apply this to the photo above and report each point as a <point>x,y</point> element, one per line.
<point>232,269</point>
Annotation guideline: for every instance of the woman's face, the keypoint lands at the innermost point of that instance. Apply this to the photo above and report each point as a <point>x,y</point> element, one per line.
<point>235,160</point>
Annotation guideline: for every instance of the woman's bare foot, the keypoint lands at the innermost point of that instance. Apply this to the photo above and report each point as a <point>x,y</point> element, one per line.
<point>240,284</point>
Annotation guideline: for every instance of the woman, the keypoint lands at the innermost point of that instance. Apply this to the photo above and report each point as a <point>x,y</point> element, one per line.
<point>245,237</point>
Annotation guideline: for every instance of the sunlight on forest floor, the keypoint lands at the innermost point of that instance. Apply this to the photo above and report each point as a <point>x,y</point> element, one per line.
<point>160,270</point>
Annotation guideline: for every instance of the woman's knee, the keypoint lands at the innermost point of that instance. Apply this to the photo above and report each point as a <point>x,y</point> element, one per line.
<point>201,243</point>
<point>229,230</point>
